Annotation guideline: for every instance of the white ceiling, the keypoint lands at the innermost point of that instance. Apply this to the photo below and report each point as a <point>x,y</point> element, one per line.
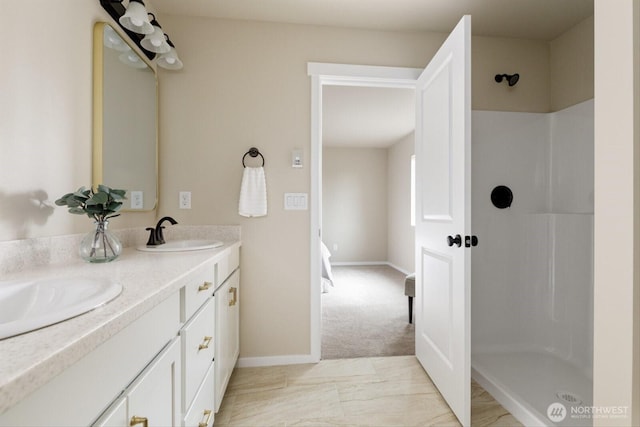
<point>376,117</point>
<point>366,116</point>
<point>531,19</point>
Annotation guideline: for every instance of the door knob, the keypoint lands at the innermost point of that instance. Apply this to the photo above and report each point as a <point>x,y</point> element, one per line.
<point>454,240</point>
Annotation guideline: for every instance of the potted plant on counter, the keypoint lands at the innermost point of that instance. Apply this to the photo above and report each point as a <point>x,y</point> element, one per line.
<point>101,205</point>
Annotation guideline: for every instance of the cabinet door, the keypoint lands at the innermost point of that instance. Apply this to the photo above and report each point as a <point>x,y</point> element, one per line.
<point>227,343</point>
<point>155,396</point>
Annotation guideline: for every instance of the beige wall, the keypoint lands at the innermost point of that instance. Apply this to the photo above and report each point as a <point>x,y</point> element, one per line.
<point>367,204</point>
<point>45,116</point>
<point>400,237</point>
<point>529,58</point>
<point>571,66</point>
<point>616,356</point>
<point>354,203</point>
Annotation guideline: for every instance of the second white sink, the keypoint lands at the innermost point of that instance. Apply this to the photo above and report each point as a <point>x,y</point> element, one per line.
<point>27,305</point>
<point>182,245</point>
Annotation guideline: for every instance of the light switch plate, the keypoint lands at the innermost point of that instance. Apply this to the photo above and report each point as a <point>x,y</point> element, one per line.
<point>296,158</point>
<point>296,201</point>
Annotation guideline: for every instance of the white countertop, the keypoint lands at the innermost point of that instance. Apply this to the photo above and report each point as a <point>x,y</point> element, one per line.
<point>31,360</point>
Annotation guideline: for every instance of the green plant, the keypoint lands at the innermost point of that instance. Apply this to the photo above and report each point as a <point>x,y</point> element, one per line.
<point>100,204</point>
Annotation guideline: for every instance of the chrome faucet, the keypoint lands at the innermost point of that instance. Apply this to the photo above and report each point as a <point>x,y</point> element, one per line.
<point>156,236</point>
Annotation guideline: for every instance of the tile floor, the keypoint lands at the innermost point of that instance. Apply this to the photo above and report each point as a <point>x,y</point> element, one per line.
<point>382,391</point>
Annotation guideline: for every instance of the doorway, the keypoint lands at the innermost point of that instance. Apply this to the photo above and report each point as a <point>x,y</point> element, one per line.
<point>323,75</point>
<point>367,144</point>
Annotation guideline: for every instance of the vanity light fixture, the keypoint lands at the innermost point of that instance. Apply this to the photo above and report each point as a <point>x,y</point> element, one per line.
<point>136,18</point>
<point>170,60</point>
<point>156,41</point>
<point>147,35</point>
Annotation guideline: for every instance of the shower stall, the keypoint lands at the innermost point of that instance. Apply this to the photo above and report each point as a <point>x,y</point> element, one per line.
<point>532,273</point>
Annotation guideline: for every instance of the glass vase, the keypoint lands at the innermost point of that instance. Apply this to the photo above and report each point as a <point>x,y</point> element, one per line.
<point>100,245</point>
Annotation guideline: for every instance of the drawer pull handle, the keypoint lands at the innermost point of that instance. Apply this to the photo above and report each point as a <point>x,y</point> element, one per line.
<point>205,286</point>
<point>205,418</point>
<point>205,343</point>
<point>234,300</point>
<point>139,420</point>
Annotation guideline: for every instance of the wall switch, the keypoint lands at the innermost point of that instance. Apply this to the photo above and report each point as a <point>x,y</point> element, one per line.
<point>136,199</point>
<point>335,247</point>
<point>295,201</point>
<point>296,158</point>
<point>185,200</point>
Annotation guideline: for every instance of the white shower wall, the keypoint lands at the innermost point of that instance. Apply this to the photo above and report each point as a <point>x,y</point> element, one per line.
<point>532,273</point>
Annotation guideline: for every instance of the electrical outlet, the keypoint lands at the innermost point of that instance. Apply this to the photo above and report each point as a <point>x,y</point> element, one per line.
<point>137,199</point>
<point>185,200</point>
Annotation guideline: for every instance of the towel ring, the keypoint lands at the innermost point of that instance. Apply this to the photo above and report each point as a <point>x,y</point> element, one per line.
<point>253,152</point>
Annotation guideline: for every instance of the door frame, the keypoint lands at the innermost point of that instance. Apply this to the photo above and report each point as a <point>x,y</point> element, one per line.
<point>326,74</point>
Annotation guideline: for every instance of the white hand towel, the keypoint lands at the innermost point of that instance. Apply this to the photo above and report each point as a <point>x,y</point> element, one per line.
<point>253,193</point>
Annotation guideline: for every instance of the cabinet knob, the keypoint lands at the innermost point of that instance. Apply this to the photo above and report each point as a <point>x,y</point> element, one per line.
<point>205,418</point>
<point>205,286</point>
<point>139,420</point>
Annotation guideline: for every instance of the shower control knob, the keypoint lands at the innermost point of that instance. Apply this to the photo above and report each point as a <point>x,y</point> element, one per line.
<point>454,240</point>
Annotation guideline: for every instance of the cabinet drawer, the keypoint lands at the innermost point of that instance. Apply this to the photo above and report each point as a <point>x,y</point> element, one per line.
<point>201,412</point>
<point>199,287</point>
<point>228,264</point>
<point>197,348</point>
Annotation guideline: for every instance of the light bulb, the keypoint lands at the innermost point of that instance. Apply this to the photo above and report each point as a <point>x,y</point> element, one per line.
<point>156,42</point>
<point>170,60</point>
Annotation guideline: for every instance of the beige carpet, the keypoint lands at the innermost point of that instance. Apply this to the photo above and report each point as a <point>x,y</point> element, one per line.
<point>366,314</point>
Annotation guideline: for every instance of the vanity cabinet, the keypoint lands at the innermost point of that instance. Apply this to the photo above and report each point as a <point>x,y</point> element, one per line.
<point>227,344</point>
<point>169,367</point>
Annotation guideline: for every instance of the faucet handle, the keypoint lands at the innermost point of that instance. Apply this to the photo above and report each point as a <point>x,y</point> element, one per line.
<point>159,235</point>
<point>152,237</point>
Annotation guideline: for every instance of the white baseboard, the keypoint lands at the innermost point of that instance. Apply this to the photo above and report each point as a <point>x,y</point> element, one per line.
<point>365,263</point>
<point>401,270</point>
<point>356,263</point>
<point>291,359</point>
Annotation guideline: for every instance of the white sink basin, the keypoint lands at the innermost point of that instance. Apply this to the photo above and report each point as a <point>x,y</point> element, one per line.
<point>182,245</point>
<point>28,305</point>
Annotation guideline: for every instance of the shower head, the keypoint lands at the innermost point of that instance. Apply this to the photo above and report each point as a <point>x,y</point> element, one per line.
<point>512,79</point>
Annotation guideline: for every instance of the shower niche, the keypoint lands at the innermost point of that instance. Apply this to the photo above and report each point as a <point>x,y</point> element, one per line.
<point>532,277</point>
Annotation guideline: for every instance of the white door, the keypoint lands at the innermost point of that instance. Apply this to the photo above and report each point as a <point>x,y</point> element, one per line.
<point>443,208</point>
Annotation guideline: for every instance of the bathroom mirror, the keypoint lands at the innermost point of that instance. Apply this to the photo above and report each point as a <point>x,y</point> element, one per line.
<point>125,112</point>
